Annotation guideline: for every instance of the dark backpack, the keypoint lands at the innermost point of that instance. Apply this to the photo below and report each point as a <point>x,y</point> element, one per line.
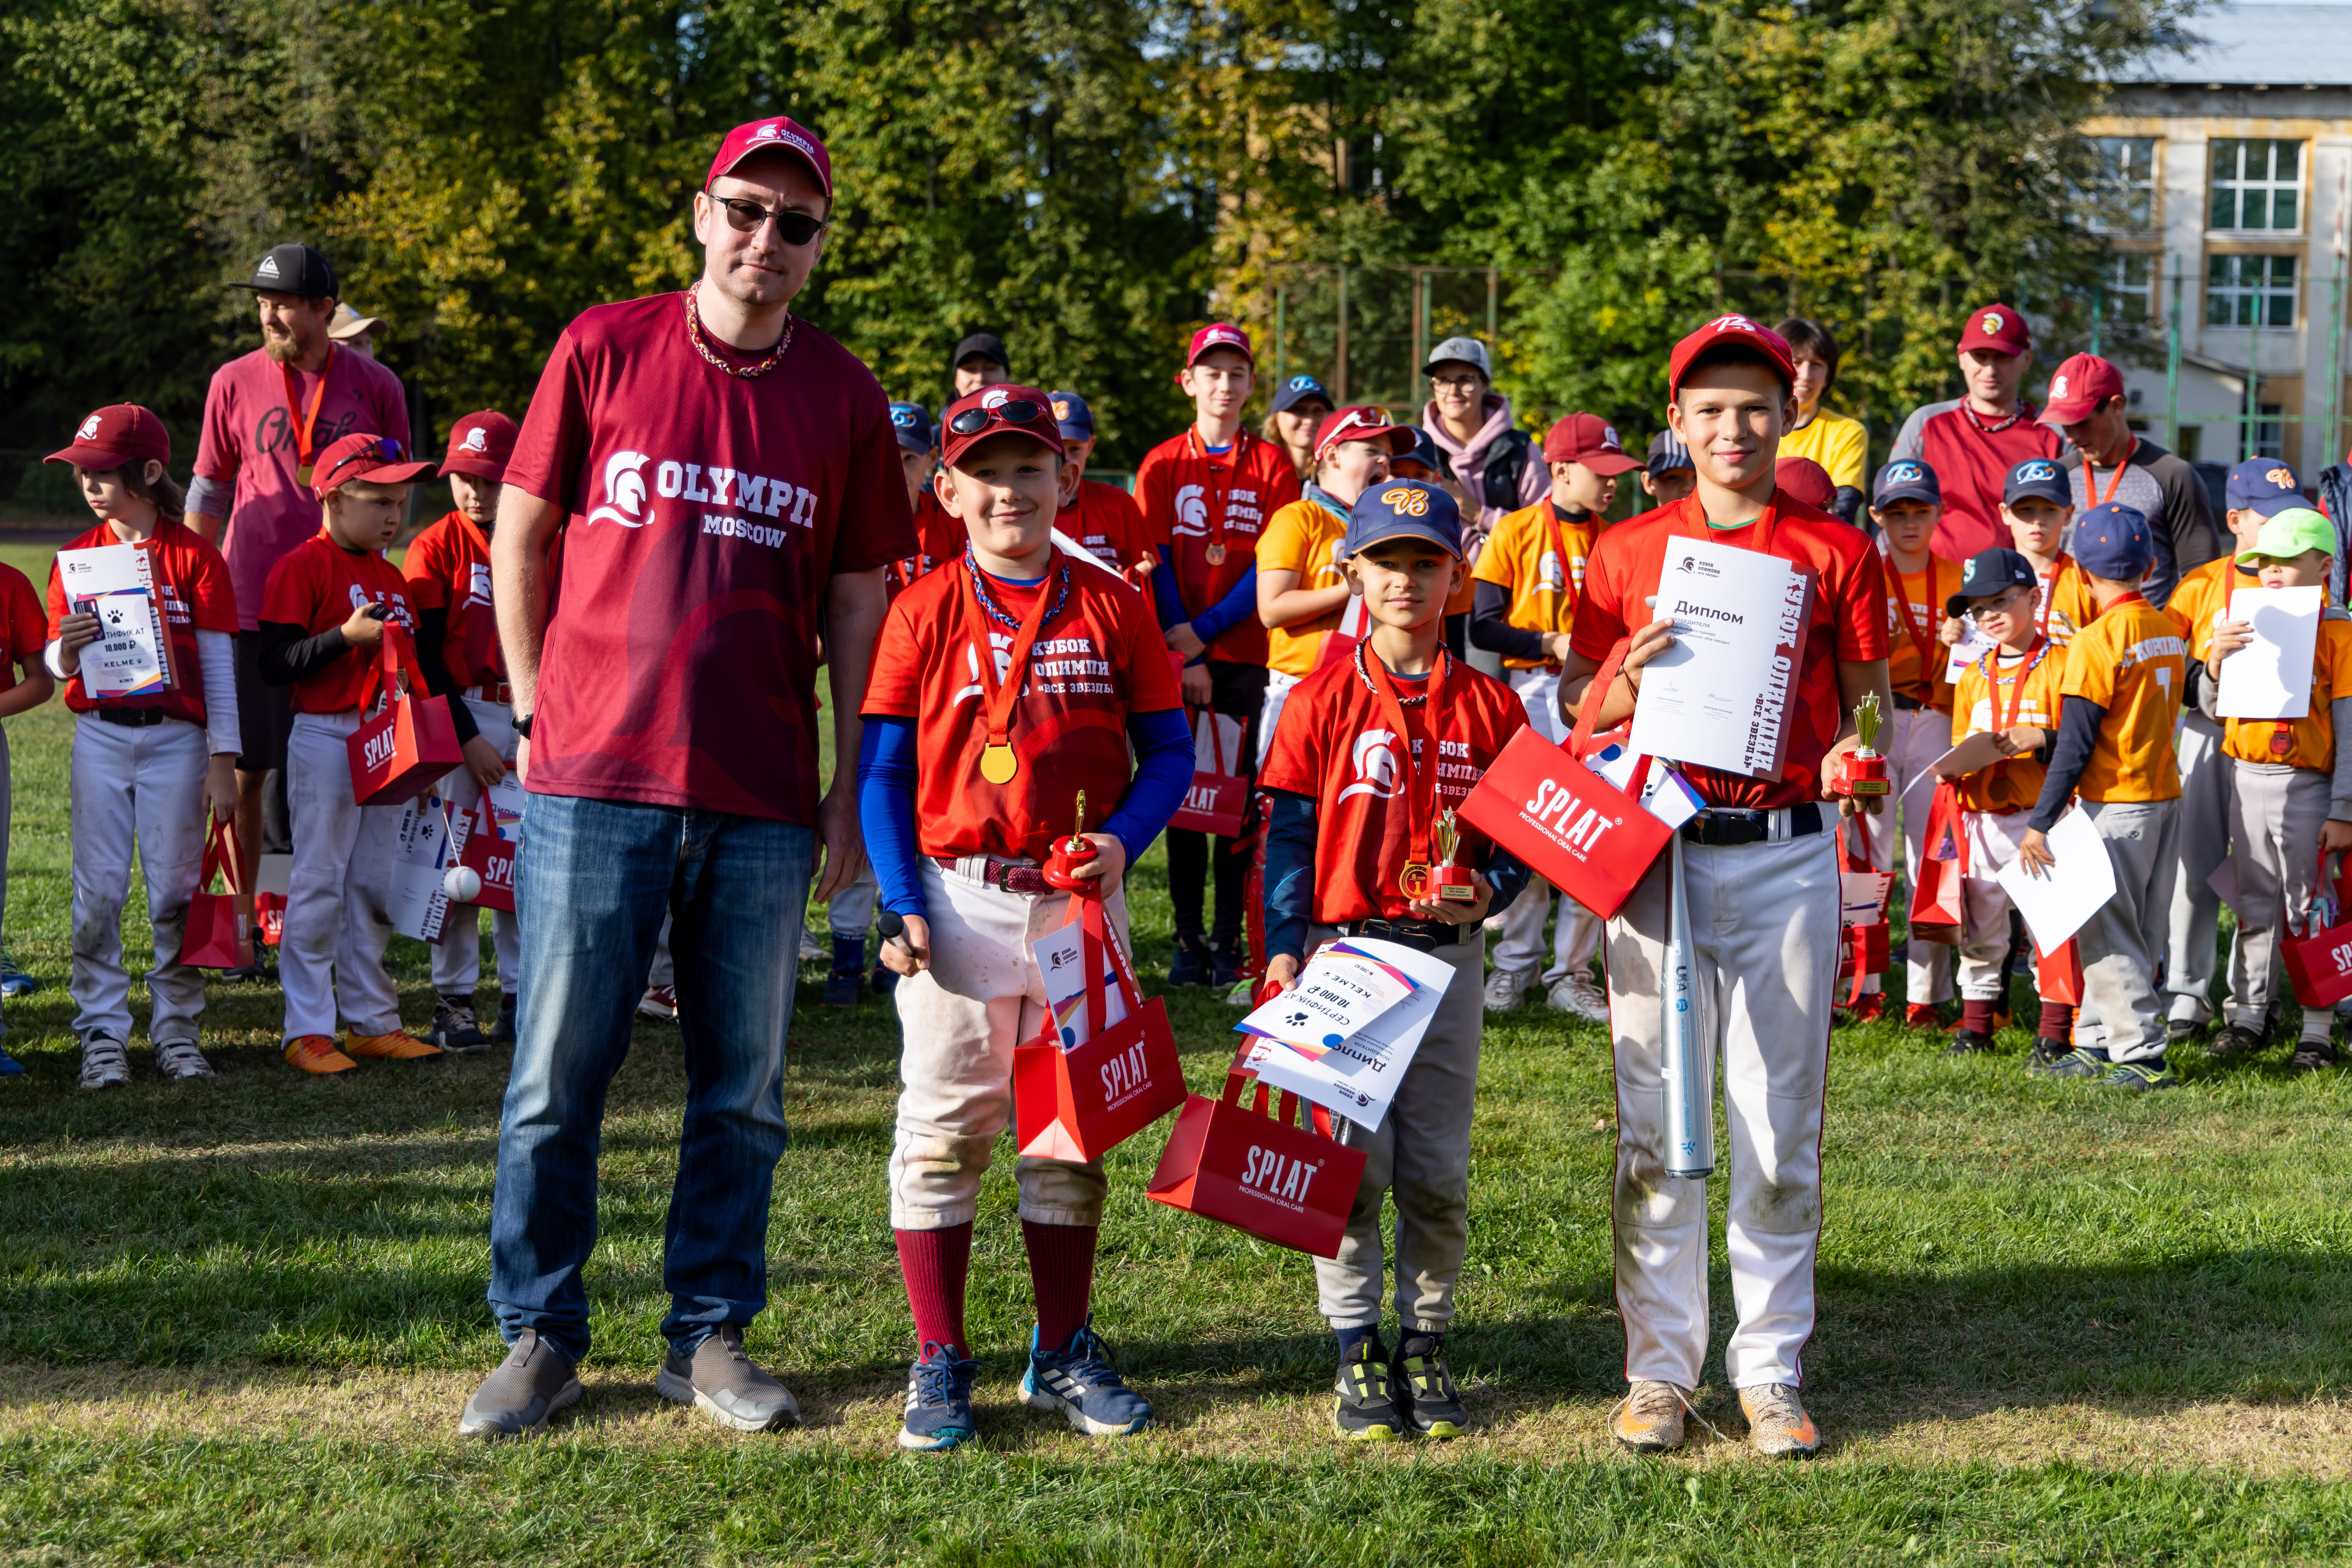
<point>1506,460</point>
<point>2335,495</point>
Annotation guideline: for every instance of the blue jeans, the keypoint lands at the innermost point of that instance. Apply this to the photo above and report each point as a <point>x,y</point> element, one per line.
<point>592,884</point>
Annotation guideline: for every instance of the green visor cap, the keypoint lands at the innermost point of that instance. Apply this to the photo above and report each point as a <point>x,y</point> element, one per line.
<point>2289,534</point>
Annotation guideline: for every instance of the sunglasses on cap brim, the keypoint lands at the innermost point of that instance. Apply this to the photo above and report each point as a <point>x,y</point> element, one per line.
<point>383,449</point>
<point>1011,410</point>
<point>1358,427</point>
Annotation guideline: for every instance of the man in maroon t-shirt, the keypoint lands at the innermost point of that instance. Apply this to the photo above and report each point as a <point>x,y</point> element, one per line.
<point>1973,442</point>
<point>725,482</point>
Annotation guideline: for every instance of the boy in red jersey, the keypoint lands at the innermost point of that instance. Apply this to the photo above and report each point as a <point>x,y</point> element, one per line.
<point>1206,496</point>
<point>939,535</point>
<point>1354,813</point>
<point>1762,879</point>
<point>322,620</point>
<point>1003,684</point>
<point>1104,518</point>
<point>448,571</point>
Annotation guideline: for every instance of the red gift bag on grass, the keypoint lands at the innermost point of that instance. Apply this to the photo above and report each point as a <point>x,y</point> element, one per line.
<point>2058,975</point>
<point>1219,797</point>
<point>404,750</point>
<point>217,937</point>
<point>1862,950</point>
<point>1075,1104</point>
<point>2319,962</point>
<point>1258,1172</point>
<point>1940,911</point>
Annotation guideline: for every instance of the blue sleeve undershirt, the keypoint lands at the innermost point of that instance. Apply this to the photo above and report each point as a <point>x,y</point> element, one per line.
<point>1239,603</point>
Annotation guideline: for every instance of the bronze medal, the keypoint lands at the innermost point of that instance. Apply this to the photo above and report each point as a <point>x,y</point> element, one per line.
<point>998,764</point>
<point>302,475</point>
<point>1216,554</point>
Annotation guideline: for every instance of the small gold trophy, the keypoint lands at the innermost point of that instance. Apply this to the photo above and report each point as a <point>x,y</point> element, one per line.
<point>1863,771</point>
<point>1071,853</point>
<point>1455,884</point>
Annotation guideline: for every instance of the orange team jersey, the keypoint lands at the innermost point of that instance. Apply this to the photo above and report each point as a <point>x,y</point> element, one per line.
<point>2027,692</point>
<point>1194,500</point>
<point>1916,654</point>
<point>1097,661</point>
<point>1106,520</point>
<point>2068,604</point>
<point>24,630</point>
<point>317,586</point>
<point>1333,745</point>
<point>2130,662</point>
<point>1524,557</point>
<point>449,568</point>
<point>1302,537</point>
<point>2310,740</point>
<point>939,538</point>
<point>2204,598</point>
<point>194,584</point>
<point>1848,622</point>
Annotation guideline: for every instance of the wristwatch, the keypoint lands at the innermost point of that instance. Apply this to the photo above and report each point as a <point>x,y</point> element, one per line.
<point>522,725</point>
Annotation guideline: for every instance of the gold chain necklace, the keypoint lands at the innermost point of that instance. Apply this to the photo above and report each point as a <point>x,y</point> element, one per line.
<point>694,333</point>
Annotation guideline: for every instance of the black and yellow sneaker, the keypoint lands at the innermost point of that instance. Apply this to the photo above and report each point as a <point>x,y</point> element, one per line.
<point>1426,1390</point>
<point>2141,1075</point>
<point>1367,1410</point>
<point>2077,1063</point>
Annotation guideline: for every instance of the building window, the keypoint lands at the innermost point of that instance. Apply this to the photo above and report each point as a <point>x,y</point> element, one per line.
<point>2270,431</point>
<point>2125,194</point>
<point>2249,291</point>
<point>2256,184</point>
<point>2130,288</point>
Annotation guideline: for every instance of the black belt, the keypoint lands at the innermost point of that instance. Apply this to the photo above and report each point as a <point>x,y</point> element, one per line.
<point>1908,704</point>
<point>1724,829</point>
<point>133,717</point>
<point>1422,936</point>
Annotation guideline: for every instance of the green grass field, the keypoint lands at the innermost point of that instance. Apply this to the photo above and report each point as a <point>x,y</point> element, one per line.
<point>237,1320</point>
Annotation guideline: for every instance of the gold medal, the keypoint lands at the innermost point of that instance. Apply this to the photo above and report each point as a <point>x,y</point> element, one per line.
<point>1413,880</point>
<point>302,475</point>
<point>1216,554</point>
<point>998,764</point>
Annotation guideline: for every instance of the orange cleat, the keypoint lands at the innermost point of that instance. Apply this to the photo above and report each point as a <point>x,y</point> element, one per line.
<point>1922,1015</point>
<point>316,1053</point>
<point>1869,1009</point>
<point>396,1047</point>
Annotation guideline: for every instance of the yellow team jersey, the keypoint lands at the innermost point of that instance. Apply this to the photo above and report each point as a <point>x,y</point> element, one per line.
<point>2310,740</point>
<point>2067,602</point>
<point>2027,690</point>
<point>1523,558</point>
<point>1915,663</point>
<point>1839,445</point>
<point>2130,661</point>
<point>1301,538</point>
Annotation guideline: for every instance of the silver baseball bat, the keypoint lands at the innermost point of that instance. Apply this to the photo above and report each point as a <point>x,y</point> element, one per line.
<point>1686,1065</point>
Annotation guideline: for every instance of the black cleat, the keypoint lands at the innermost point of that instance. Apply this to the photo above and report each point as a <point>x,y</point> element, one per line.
<point>2311,1056</point>
<point>2237,1040</point>
<point>1968,1043</point>
<point>1191,964</point>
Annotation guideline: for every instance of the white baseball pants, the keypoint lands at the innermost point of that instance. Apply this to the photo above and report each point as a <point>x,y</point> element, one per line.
<point>851,910</point>
<point>1984,945</point>
<point>1269,713</point>
<point>2194,926</point>
<point>331,959</point>
<point>959,1021</point>
<point>1913,739</point>
<point>457,962</point>
<point>2275,815</point>
<point>143,788</point>
<point>1764,924</point>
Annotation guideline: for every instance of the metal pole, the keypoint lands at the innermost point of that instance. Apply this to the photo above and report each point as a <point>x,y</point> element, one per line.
<point>1339,376</point>
<point>1419,322</point>
<point>1494,284</point>
<point>2331,432</point>
<point>1281,373</point>
<point>2098,293</point>
<point>2172,367</point>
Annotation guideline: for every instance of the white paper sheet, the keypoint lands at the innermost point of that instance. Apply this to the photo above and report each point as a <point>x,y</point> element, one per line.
<point>1720,696</point>
<point>116,583</point>
<point>1357,1078</point>
<point>1343,986</point>
<point>2270,678</point>
<point>2059,902</point>
<point>1862,895</point>
<point>429,840</point>
<point>1059,953</point>
<point>1979,750</point>
<point>1969,650</point>
<point>1665,794</point>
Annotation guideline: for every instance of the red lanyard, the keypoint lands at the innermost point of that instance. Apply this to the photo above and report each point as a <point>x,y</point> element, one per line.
<point>2016,688</point>
<point>1215,550</point>
<point>306,426</point>
<point>2050,593</point>
<point>1903,604</point>
<point>1559,553</point>
<point>2091,482</point>
<point>1420,783</point>
<point>997,762</point>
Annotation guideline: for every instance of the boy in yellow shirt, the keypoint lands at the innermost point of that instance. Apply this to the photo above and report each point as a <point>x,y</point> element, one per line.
<point>2292,795</point>
<point>1525,586</point>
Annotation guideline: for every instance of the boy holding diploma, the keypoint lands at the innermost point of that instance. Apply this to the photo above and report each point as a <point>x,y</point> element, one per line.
<point>2292,795</point>
<point>1368,759</point>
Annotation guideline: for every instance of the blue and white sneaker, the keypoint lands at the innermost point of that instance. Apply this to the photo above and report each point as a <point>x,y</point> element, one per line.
<point>10,1067</point>
<point>939,1402</point>
<point>15,981</point>
<point>1079,1381</point>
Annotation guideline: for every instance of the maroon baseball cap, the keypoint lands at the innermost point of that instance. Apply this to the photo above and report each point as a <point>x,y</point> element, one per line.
<point>118,434</point>
<point>1807,481</point>
<point>1219,335</point>
<point>1998,328</point>
<point>1362,422</point>
<point>777,135</point>
<point>1728,329</point>
<point>2081,385</point>
<point>480,445</point>
<point>1591,440</point>
<point>365,460</point>
<point>1005,409</point>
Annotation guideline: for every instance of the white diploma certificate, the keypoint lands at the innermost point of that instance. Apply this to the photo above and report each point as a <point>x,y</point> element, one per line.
<point>116,582</point>
<point>2059,902</point>
<point>1720,697</point>
<point>2270,678</point>
<point>1357,1078</point>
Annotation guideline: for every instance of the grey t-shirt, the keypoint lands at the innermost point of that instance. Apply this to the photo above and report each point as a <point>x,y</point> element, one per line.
<point>2164,490</point>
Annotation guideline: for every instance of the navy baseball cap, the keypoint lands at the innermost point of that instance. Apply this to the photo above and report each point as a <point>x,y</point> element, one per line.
<point>1667,454</point>
<point>2113,542</point>
<point>1405,509</point>
<point>2037,478</point>
<point>1298,390</point>
<point>913,423</point>
<point>1071,413</point>
<point>1424,451</point>
<point>2265,486</point>
<point>1906,479</point>
<point>1990,572</point>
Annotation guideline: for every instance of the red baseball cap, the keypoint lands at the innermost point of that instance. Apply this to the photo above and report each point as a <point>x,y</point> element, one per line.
<point>118,434</point>
<point>2081,385</point>
<point>777,135</point>
<point>1998,328</point>
<point>1362,422</point>
<point>1219,335</point>
<point>480,445</point>
<point>365,460</point>
<point>1005,409</point>
<point>1589,439</point>
<point>1728,329</point>
<point>1807,481</point>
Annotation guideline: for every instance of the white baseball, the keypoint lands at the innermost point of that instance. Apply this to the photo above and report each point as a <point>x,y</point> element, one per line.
<point>462,883</point>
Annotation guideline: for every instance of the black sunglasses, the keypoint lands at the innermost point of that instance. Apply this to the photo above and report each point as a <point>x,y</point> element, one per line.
<point>383,449</point>
<point>1012,411</point>
<point>791,228</point>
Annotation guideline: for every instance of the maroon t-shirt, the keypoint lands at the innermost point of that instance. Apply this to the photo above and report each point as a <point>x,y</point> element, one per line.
<point>1972,464</point>
<point>250,436</point>
<point>708,513</point>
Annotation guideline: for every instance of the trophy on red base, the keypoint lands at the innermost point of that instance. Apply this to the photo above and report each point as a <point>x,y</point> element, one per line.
<point>1863,772</point>
<point>1452,884</point>
<point>1070,854</point>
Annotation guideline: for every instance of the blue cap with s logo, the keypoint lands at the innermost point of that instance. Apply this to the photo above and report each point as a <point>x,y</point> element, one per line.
<point>2037,478</point>
<point>1906,479</point>
<point>913,423</point>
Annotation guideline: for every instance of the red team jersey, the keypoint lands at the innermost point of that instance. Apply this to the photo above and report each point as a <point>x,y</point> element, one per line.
<point>1106,520</point>
<point>24,629</point>
<point>1333,745</point>
<point>449,568</point>
<point>317,586</point>
<point>939,539</point>
<point>1971,463</point>
<point>1182,491</point>
<point>708,513</point>
<point>1100,660</point>
<point>192,582</point>
<point>1849,622</point>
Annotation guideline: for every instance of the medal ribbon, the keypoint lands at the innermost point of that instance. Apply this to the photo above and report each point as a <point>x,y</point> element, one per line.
<point>2091,482</point>
<point>306,424</point>
<point>2050,593</point>
<point>1001,696</point>
<point>1421,783</point>
<point>1910,624</point>
<point>1200,450</point>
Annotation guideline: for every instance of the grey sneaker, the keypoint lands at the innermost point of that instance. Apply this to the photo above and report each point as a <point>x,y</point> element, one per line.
<point>721,1382</point>
<point>532,1383</point>
<point>181,1060</point>
<point>104,1063</point>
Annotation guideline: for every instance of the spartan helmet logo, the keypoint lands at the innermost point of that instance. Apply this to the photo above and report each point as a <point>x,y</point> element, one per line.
<point>624,491</point>
<point>1609,439</point>
<point>1992,323</point>
<point>1374,756</point>
<point>478,440</point>
<point>89,427</point>
<point>993,398</point>
<point>1192,510</point>
<point>2057,386</point>
<point>999,648</point>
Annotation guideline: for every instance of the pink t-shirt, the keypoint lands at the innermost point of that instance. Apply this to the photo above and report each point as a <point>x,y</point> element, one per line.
<point>249,437</point>
<point>708,513</point>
